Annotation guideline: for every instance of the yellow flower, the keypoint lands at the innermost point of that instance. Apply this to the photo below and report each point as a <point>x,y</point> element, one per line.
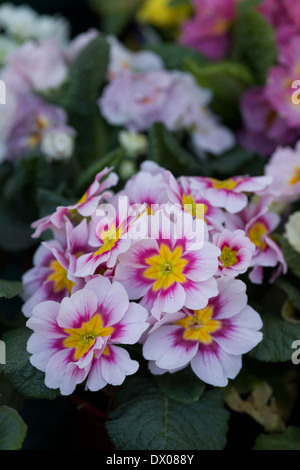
<point>161,14</point>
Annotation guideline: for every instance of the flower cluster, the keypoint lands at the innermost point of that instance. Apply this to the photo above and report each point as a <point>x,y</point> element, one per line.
<point>139,92</point>
<point>270,117</point>
<point>157,264</point>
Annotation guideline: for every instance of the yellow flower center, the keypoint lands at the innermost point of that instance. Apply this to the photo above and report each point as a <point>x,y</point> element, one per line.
<point>41,123</point>
<point>190,206</point>
<point>109,238</point>
<point>166,268</point>
<point>199,326</point>
<point>296,177</point>
<point>59,277</point>
<point>225,184</point>
<point>228,257</point>
<point>84,338</point>
<point>256,235</point>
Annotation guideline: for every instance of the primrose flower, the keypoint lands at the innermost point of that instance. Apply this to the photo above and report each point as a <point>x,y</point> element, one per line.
<point>36,66</point>
<point>23,23</point>
<point>122,60</point>
<point>85,207</point>
<point>48,279</point>
<point>109,238</point>
<point>170,271</point>
<point>208,30</point>
<point>81,338</point>
<point>211,339</point>
<point>183,193</point>
<point>33,120</point>
<point>283,16</point>
<point>263,128</point>
<point>229,193</point>
<point>259,223</point>
<point>236,252</point>
<point>284,168</point>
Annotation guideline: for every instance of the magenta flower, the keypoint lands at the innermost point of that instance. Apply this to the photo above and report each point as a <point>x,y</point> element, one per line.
<point>283,16</point>
<point>279,89</point>
<point>263,128</point>
<point>230,193</point>
<point>236,252</point>
<point>209,30</point>
<point>259,223</point>
<point>48,279</point>
<point>183,193</point>
<point>80,339</point>
<point>211,339</point>
<point>164,271</point>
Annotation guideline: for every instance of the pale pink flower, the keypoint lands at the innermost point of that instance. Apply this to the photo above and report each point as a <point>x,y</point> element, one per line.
<point>211,339</point>
<point>80,339</point>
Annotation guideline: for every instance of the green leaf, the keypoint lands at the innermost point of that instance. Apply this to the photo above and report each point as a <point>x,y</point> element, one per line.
<point>278,336</point>
<point>166,151</point>
<point>179,3</point>
<point>184,386</point>
<point>255,42</point>
<point>291,256</point>
<point>12,429</point>
<point>150,420</point>
<point>114,14</point>
<point>10,289</point>
<point>228,81</point>
<point>174,56</point>
<point>292,292</point>
<point>287,440</point>
<point>25,378</point>
<point>87,75</point>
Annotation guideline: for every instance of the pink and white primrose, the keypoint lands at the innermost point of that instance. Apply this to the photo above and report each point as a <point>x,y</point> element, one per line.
<point>211,339</point>
<point>183,192</point>
<point>85,207</point>
<point>284,168</point>
<point>80,339</point>
<point>48,279</point>
<point>259,223</point>
<point>167,270</point>
<point>236,252</point>
<point>230,193</point>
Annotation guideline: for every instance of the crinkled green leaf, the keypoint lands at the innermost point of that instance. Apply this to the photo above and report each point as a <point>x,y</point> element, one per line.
<point>165,150</point>
<point>150,420</point>
<point>25,378</point>
<point>10,289</point>
<point>255,42</point>
<point>114,14</point>
<point>292,292</point>
<point>228,81</point>
<point>174,55</point>
<point>183,386</point>
<point>291,256</point>
<point>12,429</point>
<point>87,75</point>
<point>287,440</point>
<point>278,336</point>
